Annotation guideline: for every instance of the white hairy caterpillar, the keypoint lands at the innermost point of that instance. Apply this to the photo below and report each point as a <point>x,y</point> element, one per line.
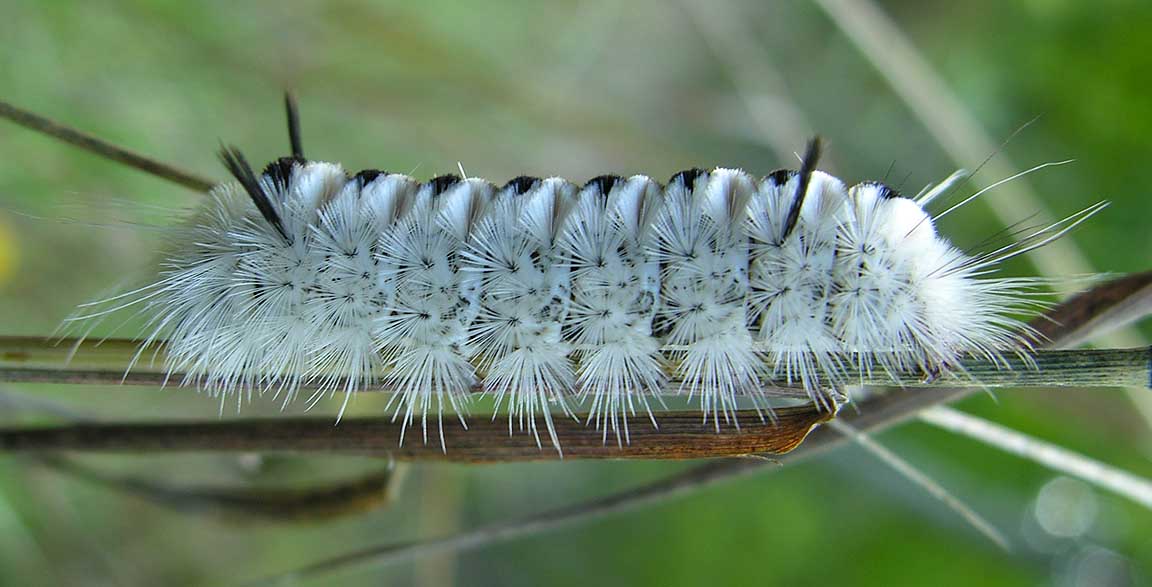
<point>544,293</point>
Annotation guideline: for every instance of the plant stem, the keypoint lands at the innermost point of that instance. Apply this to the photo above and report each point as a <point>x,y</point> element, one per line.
<point>31,359</point>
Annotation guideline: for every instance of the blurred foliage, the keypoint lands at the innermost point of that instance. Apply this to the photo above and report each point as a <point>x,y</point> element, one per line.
<point>574,89</point>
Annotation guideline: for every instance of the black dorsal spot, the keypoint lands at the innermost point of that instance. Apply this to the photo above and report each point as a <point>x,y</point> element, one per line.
<point>521,185</point>
<point>280,171</point>
<point>780,176</point>
<point>604,183</point>
<point>441,184</point>
<point>886,193</point>
<point>688,178</point>
<point>368,176</point>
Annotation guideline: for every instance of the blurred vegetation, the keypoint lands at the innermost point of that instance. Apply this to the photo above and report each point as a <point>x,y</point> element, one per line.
<point>574,89</point>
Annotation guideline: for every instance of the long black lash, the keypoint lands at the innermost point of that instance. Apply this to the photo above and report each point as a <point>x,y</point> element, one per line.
<point>807,166</point>
<point>238,166</point>
<point>293,126</point>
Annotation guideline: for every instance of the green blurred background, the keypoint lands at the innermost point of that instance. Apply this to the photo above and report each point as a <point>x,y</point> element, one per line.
<point>574,89</point>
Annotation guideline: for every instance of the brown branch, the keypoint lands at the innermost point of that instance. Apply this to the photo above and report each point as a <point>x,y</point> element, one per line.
<point>680,436</point>
<point>103,149</point>
<point>327,500</point>
<point>1107,307</point>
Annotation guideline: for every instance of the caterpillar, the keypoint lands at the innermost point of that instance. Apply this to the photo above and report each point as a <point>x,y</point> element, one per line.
<point>547,294</point>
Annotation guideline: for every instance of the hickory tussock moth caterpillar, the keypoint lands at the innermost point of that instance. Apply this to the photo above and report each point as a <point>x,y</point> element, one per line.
<point>547,294</point>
